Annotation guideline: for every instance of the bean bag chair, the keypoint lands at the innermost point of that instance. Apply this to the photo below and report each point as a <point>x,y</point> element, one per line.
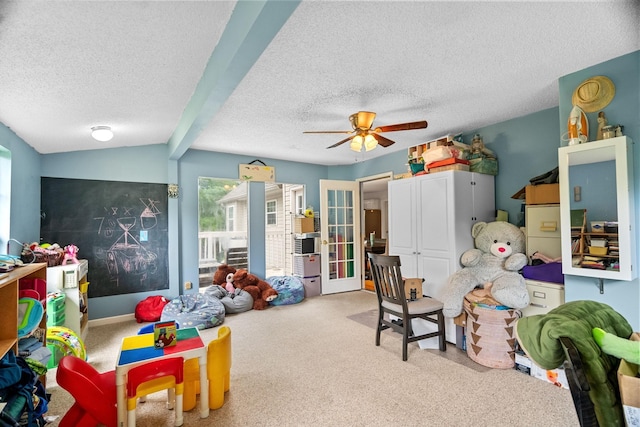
<point>235,302</point>
<point>194,311</point>
<point>290,289</point>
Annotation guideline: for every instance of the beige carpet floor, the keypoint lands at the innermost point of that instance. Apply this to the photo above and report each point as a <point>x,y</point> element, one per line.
<point>316,364</point>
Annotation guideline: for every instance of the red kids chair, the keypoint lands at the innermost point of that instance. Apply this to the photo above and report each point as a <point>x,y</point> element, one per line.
<point>94,394</point>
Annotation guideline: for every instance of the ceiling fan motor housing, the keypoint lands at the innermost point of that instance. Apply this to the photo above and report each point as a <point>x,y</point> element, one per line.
<point>362,120</point>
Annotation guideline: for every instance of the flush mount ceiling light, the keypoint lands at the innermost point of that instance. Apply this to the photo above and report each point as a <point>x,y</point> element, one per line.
<point>102,133</point>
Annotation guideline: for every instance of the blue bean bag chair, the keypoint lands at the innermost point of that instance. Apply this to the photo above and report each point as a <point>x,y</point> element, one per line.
<point>235,302</point>
<point>194,311</point>
<point>290,289</point>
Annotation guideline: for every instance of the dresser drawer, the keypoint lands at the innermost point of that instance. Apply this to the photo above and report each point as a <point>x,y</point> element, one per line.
<point>543,221</point>
<point>543,297</point>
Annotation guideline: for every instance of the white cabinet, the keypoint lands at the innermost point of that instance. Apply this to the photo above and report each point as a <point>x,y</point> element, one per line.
<point>71,279</point>
<point>543,230</point>
<point>602,173</point>
<point>430,220</point>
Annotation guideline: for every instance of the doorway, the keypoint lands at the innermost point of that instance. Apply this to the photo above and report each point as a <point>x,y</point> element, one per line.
<point>375,203</point>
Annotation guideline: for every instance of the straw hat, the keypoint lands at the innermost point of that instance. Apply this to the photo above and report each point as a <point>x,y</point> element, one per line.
<point>594,94</point>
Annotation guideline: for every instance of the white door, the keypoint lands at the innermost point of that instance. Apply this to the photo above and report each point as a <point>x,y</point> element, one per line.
<point>403,232</point>
<point>340,236</point>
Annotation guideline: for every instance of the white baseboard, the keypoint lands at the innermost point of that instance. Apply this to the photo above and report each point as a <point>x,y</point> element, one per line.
<point>112,319</point>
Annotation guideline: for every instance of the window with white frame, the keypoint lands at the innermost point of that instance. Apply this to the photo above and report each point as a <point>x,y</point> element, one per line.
<point>272,212</point>
<point>299,200</point>
<point>231,218</point>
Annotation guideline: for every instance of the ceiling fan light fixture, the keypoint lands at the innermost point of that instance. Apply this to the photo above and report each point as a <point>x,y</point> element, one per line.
<point>356,143</point>
<point>102,133</point>
<point>370,142</point>
<point>365,119</point>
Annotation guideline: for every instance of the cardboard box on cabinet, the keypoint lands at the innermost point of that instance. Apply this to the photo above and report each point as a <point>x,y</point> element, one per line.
<point>542,194</point>
<point>629,384</point>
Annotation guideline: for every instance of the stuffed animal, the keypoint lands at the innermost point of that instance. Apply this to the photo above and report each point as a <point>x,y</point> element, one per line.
<point>494,264</point>
<point>221,276</point>
<point>229,283</point>
<point>70,254</point>
<point>261,291</point>
<point>616,346</point>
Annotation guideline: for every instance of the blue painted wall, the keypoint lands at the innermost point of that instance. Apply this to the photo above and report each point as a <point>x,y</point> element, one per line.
<point>24,223</point>
<point>525,147</point>
<point>624,109</point>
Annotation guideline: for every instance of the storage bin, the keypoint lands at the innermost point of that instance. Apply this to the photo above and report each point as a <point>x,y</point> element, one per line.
<point>306,265</point>
<point>597,226</point>
<point>84,287</point>
<point>56,318</point>
<point>55,309</point>
<point>38,285</point>
<point>312,286</point>
<point>598,250</point>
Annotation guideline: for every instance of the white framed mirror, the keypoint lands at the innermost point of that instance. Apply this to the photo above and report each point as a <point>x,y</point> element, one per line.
<point>597,209</point>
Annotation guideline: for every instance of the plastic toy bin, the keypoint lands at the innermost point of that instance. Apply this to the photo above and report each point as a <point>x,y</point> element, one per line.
<point>55,309</point>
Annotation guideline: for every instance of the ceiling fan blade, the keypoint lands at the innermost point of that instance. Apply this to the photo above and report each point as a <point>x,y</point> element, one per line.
<point>341,142</point>
<point>328,131</point>
<point>385,142</point>
<point>403,126</point>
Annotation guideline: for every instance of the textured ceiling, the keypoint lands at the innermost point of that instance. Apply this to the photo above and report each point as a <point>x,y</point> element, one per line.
<point>162,72</point>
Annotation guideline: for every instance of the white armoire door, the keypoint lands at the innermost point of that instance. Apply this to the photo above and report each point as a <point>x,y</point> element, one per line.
<point>403,220</point>
<point>430,220</point>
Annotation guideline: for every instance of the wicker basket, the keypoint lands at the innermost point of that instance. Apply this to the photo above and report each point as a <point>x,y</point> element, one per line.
<point>52,258</point>
<point>490,336</point>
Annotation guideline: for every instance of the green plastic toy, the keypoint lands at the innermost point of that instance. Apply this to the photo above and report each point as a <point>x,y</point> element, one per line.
<point>615,346</point>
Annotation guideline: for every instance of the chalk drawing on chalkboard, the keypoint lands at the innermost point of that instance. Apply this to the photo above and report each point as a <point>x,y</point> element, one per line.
<point>127,255</point>
<point>148,217</point>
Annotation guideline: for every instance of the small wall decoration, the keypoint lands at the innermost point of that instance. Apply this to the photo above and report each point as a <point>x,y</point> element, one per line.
<point>173,191</point>
<point>257,172</point>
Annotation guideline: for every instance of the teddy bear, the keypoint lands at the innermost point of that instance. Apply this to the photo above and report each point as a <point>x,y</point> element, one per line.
<point>261,291</point>
<point>493,264</point>
<point>224,277</point>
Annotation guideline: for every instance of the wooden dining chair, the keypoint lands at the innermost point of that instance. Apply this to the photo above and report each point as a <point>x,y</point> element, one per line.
<point>392,301</point>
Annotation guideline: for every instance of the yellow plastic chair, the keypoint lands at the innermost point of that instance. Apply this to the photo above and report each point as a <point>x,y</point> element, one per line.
<point>164,374</point>
<point>218,372</point>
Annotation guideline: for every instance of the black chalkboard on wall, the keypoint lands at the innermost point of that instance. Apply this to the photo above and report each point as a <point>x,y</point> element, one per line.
<point>119,227</point>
